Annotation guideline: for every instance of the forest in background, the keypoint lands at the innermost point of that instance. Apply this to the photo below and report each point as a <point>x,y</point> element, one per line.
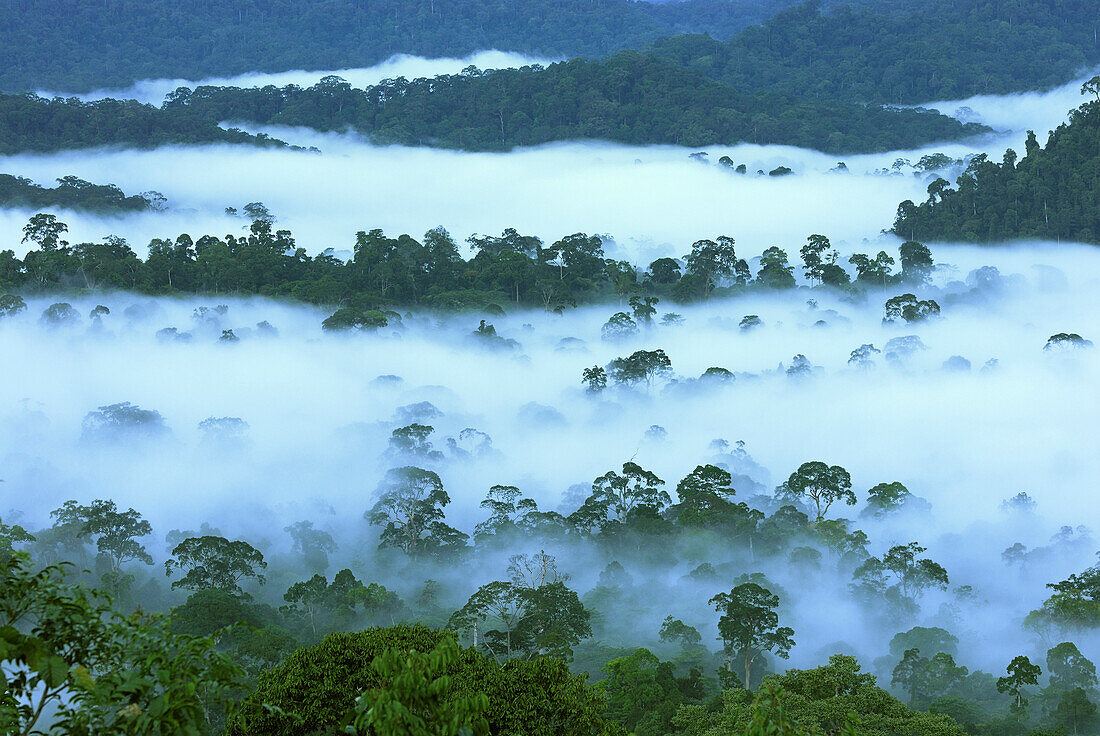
<point>1050,193</point>
<point>70,45</point>
<point>628,98</point>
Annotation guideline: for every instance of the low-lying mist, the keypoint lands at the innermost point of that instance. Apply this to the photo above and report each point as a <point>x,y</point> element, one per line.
<point>653,200</point>
<point>153,91</point>
<point>319,410</point>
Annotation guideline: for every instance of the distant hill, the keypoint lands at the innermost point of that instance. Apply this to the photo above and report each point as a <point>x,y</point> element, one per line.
<point>76,46</point>
<point>904,52</point>
<point>1052,193</point>
<point>893,51</point>
<point>629,97</point>
<point>32,123</point>
<point>73,194</point>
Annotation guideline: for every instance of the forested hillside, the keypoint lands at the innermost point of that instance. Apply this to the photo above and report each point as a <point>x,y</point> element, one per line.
<point>630,97</point>
<point>1052,193</point>
<point>32,123</point>
<point>899,51</point>
<point>921,51</point>
<point>78,46</point>
<point>73,193</point>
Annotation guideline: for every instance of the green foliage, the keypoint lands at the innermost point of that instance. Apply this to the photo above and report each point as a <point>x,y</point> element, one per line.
<point>32,123</point>
<point>210,562</point>
<point>749,626</point>
<point>899,578</point>
<point>834,698</point>
<point>63,647</point>
<point>927,678</point>
<point>617,497</point>
<point>819,482</point>
<point>1074,605</point>
<point>643,692</point>
<point>410,511</point>
<point>351,318</point>
<point>630,97</point>
<point>313,690</point>
<point>74,194</point>
<point>1048,194</point>
<point>533,615</point>
<point>641,366</point>
<point>64,44</point>
<point>414,697</point>
<point>901,52</point>
<point>1021,672</point>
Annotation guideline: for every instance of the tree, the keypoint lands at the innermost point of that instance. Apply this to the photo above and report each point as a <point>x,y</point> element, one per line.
<point>45,231</point>
<point>620,326</point>
<point>352,318</point>
<point>215,562</point>
<point>641,365</point>
<point>885,499</point>
<point>815,258</point>
<point>410,511</point>
<point>314,545</point>
<point>63,648</point>
<point>706,500</point>
<point>122,421</point>
<point>595,379</point>
<point>309,595</point>
<point>711,261</point>
<point>11,305</point>
<point>775,272</point>
<point>1075,603</point>
<point>861,356</point>
<point>555,621</point>
<point>675,630</point>
<point>491,615</point>
<point>411,442</point>
<point>872,271</point>
<point>1069,669</point>
<point>822,484</point>
<point>664,271</point>
<point>927,678</point>
<point>1021,672</point>
<point>749,626</point>
<point>916,263</point>
<point>643,693</point>
<point>313,688</point>
<point>59,314</point>
<point>11,535</point>
<point>118,532</point>
<point>1075,712</point>
<point>909,308</point>
<point>643,308</point>
<point>415,698</point>
<point>1092,86</point>
<point>899,577</point>
<point>616,496</point>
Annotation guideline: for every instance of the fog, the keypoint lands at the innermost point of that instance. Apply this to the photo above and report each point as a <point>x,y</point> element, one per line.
<point>653,200</point>
<point>153,91</point>
<point>1020,418</point>
<point>318,422</point>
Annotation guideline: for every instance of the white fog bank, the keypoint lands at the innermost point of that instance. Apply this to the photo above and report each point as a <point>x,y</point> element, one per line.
<point>964,436</point>
<point>654,200</point>
<point>153,91</point>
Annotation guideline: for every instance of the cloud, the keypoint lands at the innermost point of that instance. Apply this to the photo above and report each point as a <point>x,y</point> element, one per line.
<point>153,91</point>
<point>319,422</point>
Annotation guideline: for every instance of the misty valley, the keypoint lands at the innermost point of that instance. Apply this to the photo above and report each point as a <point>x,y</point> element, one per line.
<point>623,368</point>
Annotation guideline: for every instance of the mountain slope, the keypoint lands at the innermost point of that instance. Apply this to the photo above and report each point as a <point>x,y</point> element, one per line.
<point>1052,193</point>
<point>629,97</point>
<point>77,46</point>
<point>916,52</point>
